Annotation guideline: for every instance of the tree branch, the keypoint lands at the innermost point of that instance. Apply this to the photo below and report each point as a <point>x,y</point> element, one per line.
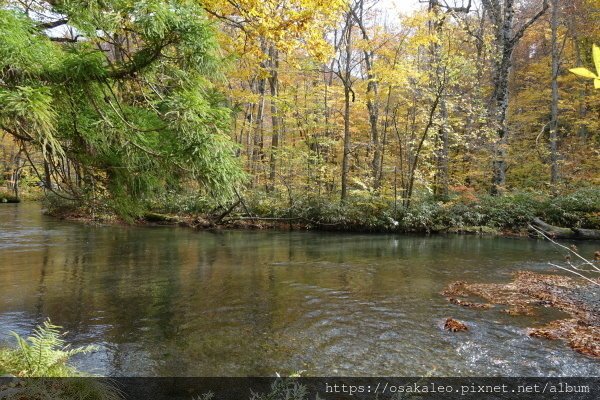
<point>519,34</point>
<point>65,39</point>
<point>52,24</point>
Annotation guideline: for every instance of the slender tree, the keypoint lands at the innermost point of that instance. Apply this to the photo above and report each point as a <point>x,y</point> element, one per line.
<point>506,37</point>
<point>554,22</point>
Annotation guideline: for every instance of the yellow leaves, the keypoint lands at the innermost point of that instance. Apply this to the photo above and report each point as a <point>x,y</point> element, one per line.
<point>586,73</point>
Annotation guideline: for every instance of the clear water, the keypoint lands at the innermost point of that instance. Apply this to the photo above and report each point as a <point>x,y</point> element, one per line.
<point>176,302</point>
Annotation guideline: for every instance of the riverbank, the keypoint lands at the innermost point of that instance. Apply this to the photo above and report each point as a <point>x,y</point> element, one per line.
<point>508,215</point>
<point>6,197</point>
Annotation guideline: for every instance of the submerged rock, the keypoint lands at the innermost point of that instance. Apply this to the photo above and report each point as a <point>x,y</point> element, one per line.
<point>468,304</point>
<point>519,310</point>
<point>453,325</point>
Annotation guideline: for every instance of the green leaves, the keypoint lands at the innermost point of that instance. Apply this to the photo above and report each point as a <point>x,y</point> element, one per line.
<point>131,103</point>
<point>23,53</point>
<point>586,73</point>
<point>44,353</point>
<point>28,112</point>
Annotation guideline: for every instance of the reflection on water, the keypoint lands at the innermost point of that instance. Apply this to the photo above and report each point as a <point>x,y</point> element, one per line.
<point>174,302</point>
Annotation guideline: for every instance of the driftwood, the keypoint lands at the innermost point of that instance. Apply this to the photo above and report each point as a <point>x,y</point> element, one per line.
<point>156,217</point>
<point>557,232</point>
<point>228,211</point>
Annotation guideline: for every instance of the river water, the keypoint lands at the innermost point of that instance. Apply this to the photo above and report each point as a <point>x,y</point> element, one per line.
<point>176,302</point>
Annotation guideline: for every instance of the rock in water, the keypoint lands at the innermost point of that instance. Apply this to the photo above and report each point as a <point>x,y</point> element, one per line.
<point>453,325</point>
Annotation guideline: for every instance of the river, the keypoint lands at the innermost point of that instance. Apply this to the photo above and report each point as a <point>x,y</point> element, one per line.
<point>171,301</point>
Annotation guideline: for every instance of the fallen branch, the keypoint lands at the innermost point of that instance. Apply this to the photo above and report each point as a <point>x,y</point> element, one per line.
<point>585,260</point>
<point>557,232</point>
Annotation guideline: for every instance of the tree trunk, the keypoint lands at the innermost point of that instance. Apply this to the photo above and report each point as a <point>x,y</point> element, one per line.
<point>19,162</point>
<point>437,70</point>
<point>442,173</point>
<point>257,150</point>
<point>275,118</point>
<point>556,232</point>
<point>347,81</point>
<point>554,173</point>
<point>346,156</point>
<point>47,175</point>
<point>501,14</point>
<point>501,75</point>
<point>372,94</point>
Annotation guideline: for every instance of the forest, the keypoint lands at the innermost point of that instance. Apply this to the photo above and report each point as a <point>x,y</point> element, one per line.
<point>445,155</point>
<point>360,115</point>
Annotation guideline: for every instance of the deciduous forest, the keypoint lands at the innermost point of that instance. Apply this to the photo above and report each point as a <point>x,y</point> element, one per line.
<point>350,115</point>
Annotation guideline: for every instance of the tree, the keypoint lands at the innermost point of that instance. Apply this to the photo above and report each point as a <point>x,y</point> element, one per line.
<point>554,173</point>
<point>506,37</point>
<point>123,104</point>
<point>345,65</point>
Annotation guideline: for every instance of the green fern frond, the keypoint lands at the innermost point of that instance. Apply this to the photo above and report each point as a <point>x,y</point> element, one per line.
<point>43,354</point>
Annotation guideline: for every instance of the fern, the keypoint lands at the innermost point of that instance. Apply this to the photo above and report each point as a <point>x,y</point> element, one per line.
<point>43,354</point>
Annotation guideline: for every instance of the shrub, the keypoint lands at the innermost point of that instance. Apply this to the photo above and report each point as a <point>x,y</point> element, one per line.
<point>510,211</point>
<point>580,208</point>
<point>7,197</point>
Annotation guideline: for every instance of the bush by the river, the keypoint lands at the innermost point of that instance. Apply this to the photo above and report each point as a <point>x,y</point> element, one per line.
<point>464,211</point>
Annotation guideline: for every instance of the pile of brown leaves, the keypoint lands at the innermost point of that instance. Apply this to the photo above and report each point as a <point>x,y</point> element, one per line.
<point>529,290</point>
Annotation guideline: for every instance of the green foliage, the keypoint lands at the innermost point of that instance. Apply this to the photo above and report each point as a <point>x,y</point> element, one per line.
<point>133,120</point>
<point>485,213</point>
<point>23,53</point>
<point>578,209</point>
<point>281,389</point>
<point>288,389</point>
<point>510,211</point>
<point>43,354</point>
<point>62,389</point>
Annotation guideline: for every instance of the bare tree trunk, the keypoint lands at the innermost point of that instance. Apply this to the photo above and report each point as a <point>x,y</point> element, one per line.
<point>372,100</point>
<point>554,173</point>
<point>415,161</point>
<point>19,163</point>
<point>47,175</point>
<point>442,170</point>
<point>437,70</point>
<point>501,75</point>
<point>346,155</point>
<point>501,14</point>
<point>258,150</point>
<point>275,118</point>
<point>347,76</point>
